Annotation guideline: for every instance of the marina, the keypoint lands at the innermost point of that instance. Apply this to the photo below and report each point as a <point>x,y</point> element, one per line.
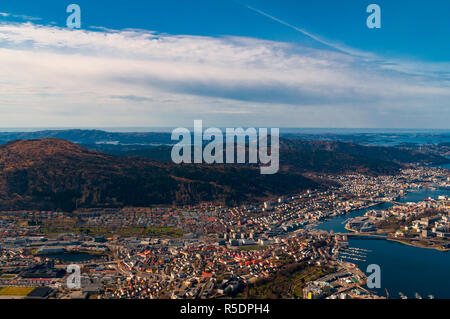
<point>406,272</point>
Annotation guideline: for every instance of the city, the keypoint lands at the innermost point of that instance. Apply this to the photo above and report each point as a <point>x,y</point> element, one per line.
<point>211,251</point>
<point>224,158</point>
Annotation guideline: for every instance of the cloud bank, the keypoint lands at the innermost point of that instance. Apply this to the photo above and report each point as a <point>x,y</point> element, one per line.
<point>52,76</point>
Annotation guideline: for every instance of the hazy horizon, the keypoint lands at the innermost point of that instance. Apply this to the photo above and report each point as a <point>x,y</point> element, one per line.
<point>306,130</point>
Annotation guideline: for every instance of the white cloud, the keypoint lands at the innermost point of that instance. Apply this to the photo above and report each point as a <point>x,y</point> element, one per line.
<point>132,77</point>
<point>19,16</point>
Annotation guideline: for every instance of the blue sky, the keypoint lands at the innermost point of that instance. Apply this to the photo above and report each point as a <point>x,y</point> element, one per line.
<point>249,62</point>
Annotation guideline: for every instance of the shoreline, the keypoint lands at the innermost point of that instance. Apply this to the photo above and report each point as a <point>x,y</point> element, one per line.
<point>399,240</point>
<point>418,246</point>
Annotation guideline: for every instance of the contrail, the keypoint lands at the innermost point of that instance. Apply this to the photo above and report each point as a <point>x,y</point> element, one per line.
<point>293,27</point>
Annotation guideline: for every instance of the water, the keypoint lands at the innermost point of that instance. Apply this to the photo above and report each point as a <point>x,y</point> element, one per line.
<point>337,223</point>
<point>404,268</point>
<point>420,195</point>
<point>447,166</point>
<point>407,269</point>
<point>381,137</point>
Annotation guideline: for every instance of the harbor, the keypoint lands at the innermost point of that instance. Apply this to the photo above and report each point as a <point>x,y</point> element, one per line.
<point>407,272</point>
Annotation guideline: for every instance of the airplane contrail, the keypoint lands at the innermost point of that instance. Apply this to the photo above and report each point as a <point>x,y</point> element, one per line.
<point>304,32</point>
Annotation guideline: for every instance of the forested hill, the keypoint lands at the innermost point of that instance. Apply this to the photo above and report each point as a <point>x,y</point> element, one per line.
<point>57,174</point>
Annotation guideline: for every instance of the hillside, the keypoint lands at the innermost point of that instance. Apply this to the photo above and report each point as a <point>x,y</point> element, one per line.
<point>300,160</point>
<point>332,156</point>
<point>57,174</point>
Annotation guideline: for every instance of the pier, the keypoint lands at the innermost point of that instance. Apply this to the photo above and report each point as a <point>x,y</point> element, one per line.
<point>363,236</point>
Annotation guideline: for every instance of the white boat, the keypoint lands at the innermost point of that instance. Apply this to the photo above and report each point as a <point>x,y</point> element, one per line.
<point>402,295</point>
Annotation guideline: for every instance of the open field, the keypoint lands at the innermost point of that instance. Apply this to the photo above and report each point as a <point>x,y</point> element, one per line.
<point>15,291</point>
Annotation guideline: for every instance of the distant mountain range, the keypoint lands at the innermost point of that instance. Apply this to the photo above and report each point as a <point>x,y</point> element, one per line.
<point>89,136</point>
<point>398,155</point>
<point>43,170</point>
<point>296,154</point>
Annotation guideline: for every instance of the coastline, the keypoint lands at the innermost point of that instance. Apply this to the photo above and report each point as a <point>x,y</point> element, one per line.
<point>399,240</point>
<point>417,246</point>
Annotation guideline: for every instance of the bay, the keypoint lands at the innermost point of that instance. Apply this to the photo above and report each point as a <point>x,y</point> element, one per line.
<point>404,269</point>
